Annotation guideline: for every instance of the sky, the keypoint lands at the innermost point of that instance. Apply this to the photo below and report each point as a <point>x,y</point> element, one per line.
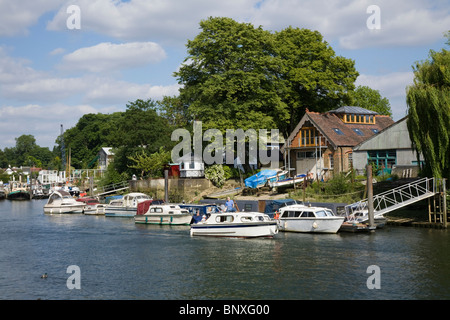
<point>61,59</point>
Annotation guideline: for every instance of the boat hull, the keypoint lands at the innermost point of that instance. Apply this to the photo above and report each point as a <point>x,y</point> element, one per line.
<point>164,219</point>
<point>121,212</point>
<point>63,209</point>
<point>238,230</point>
<point>314,225</point>
<point>98,209</point>
<point>19,195</point>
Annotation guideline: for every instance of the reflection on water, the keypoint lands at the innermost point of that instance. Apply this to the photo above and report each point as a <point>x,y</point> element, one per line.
<point>121,260</point>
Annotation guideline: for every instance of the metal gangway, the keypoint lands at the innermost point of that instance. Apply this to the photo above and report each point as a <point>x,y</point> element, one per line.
<point>112,188</point>
<point>394,199</point>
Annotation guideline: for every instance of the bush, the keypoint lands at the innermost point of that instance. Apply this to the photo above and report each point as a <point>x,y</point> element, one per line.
<point>216,175</point>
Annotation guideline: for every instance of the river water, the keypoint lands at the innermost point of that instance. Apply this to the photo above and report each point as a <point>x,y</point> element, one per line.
<point>118,259</point>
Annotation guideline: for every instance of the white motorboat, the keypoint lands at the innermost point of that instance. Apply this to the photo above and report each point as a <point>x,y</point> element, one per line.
<point>92,206</point>
<point>127,206</point>
<point>236,224</point>
<point>363,217</point>
<point>301,218</point>
<point>62,202</point>
<point>166,214</point>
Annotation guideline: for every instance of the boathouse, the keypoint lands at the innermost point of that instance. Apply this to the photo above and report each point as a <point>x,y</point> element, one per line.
<point>322,143</point>
<point>390,151</point>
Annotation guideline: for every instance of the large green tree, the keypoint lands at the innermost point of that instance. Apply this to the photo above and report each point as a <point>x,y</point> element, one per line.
<point>240,76</point>
<point>371,99</point>
<point>311,74</point>
<point>229,77</point>
<point>428,121</point>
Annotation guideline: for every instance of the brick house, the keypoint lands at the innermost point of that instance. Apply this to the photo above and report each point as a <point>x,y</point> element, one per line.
<point>322,143</point>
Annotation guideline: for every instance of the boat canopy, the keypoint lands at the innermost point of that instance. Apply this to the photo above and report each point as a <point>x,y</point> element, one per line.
<point>260,178</point>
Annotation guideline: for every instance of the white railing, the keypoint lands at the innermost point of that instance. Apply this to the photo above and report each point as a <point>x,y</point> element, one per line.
<point>395,198</point>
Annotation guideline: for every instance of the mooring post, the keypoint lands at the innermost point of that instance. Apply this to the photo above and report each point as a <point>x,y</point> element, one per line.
<point>370,196</point>
<point>166,186</point>
<point>444,200</point>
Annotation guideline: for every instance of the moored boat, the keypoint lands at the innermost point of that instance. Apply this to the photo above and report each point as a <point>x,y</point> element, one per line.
<point>127,206</point>
<point>62,202</point>
<point>19,192</point>
<point>165,214</point>
<point>236,224</point>
<point>92,206</point>
<point>301,218</point>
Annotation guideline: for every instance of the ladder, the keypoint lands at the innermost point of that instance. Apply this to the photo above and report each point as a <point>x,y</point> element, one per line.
<point>395,198</point>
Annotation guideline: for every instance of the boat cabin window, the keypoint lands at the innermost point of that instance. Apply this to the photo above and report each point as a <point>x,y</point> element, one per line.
<point>307,214</point>
<point>224,218</point>
<point>329,213</point>
<point>246,218</point>
<point>321,214</point>
<point>156,210</point>
<point>291,214</point>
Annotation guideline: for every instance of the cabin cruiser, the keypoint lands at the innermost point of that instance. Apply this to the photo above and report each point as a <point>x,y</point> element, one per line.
<point>301,218</point>
<point>92,206</point>
<point>167,214</point>
<point>127,206</point>
<point>236,224</point>
<point>63,202</point>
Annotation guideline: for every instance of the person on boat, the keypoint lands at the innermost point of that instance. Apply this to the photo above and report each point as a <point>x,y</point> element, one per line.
<point>197,217</point>
<point>276,215</point>
<point>230,205</point>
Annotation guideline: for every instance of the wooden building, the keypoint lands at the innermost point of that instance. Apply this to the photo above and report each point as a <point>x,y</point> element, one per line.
<point>322,143</point>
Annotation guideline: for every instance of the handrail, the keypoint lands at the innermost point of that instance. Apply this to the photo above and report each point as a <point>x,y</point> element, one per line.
<point>395,198</point>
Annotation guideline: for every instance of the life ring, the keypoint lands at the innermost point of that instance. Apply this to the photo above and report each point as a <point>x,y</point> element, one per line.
<point>315,225</point>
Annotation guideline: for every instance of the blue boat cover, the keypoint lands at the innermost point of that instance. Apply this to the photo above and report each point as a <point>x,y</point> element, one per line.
<point>259,179</point>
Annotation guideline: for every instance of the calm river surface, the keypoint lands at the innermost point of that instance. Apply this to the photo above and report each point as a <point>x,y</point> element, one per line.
<point>118,259</point>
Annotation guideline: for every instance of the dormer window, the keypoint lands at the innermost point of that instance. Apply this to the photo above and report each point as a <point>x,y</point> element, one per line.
<point>359,118</point>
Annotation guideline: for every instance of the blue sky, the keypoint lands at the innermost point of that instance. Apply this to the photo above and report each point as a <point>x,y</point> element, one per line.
<point>127,50</point>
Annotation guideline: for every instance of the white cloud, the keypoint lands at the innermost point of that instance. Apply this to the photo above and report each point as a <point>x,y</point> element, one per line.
<point>108,56</point>
<point>392,86</point>
<point>17,16</point>
<point>406,25</point>
<point>150,19</point>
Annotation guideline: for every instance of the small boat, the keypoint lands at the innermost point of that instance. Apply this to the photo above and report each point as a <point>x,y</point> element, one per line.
<point>287,181</point>
<point>92,206</point>
<point>63,202</point>
<point>236,224</point>
<point>127,206</point>
<point>165,214</point>
<point>19,192</point>
<point>363,217</point>
<point>301,218</point>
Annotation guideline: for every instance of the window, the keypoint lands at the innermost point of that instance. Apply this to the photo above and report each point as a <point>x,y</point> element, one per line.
<point>309,136</point>
<point>331,161</point>
<point>358,132</point>
<point>338,131</point>
<point>321,214</point>
<point>308,214</point>
<point>358,118</point>
<point>382,158</point>
<point>224,218</point>
<point>374,131</point>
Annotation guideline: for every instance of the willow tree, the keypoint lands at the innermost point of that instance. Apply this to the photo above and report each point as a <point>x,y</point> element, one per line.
<point>428,121</point>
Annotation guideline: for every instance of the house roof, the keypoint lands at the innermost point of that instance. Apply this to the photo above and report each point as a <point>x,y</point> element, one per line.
<point>338,133</point>
<point>353,110</point>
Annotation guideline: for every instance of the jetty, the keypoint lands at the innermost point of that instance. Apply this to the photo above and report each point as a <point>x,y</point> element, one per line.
<point>432,189</point>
